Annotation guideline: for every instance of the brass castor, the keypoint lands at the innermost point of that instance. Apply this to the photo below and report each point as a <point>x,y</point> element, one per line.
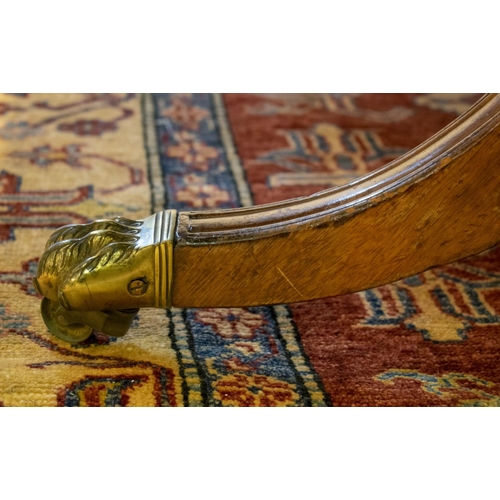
<point>55,320</point>
<point>77,326</point>
<point>96,276</point>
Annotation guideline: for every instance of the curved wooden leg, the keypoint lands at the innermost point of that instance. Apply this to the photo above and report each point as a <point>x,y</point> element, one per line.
<point>436,204</point>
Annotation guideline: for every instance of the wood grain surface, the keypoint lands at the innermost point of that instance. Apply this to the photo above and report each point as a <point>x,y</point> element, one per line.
<point>438,203</point>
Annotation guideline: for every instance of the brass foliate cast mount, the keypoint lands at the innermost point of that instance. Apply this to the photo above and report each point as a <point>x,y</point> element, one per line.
<point>96,276</point>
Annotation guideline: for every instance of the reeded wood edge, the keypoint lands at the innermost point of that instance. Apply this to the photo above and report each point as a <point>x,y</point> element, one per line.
<point>338,203</point>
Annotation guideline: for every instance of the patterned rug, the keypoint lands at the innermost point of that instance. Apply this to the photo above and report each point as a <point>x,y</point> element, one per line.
<point>429,340</point>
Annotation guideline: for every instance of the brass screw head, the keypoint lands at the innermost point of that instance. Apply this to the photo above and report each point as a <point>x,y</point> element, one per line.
<point>138,286</point>
<point>62,320</point>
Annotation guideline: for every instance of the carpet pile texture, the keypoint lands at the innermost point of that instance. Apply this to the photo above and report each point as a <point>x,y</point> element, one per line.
<point>429,340</point>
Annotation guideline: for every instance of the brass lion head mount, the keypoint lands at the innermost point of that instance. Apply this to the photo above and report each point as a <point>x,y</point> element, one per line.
<point>96,276</point>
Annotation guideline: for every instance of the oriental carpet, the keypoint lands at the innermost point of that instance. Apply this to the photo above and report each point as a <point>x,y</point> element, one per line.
<point>429,340</point>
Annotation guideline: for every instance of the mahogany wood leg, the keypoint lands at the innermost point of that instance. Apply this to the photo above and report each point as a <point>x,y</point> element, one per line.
<point>436,204</point>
